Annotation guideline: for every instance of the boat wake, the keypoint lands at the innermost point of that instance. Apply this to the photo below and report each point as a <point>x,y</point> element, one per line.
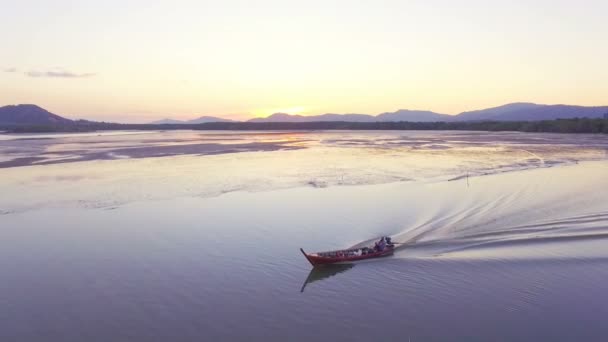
<point>524,210</point>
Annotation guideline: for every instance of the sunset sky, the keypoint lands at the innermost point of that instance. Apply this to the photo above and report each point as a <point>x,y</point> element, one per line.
<point>137,61</point>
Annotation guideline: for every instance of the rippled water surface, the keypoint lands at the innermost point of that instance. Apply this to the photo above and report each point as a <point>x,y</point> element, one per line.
<point>194,236</point>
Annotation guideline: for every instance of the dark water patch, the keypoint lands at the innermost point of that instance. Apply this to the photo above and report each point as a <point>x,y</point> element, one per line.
<point>17,162</point>
<point>322,272</point>
<point>154,151</point>
<point>14,151</point>
<point>30,138</point>
<point>259,133</point>
<point>437,147</point>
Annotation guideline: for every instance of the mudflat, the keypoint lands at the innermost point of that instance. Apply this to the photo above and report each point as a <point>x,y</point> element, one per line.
<point>510,228</point>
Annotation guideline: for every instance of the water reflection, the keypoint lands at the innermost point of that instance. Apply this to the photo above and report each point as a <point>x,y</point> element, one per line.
<point>321,272</point>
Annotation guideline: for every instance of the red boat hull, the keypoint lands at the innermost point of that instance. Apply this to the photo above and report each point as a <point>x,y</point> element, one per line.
<point>345,256</point>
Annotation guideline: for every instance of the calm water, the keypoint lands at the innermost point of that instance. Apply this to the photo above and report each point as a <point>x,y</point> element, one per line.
<point>198,246</point>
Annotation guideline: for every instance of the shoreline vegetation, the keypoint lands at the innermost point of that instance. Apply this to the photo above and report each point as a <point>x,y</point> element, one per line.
<point>575,125</point>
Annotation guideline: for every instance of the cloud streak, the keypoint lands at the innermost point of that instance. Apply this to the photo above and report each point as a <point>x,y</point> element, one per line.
<point>57,73</point>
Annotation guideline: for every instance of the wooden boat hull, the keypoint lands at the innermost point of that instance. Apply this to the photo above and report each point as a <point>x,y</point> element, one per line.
<point>345,256</point>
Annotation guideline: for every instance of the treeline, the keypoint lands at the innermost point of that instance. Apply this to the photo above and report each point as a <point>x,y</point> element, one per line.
<point>576,125</point>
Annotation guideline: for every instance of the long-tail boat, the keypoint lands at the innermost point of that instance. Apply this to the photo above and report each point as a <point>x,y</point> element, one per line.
<point>382,249</point>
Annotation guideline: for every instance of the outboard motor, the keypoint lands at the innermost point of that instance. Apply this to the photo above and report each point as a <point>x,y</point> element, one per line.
<point>388,241</point>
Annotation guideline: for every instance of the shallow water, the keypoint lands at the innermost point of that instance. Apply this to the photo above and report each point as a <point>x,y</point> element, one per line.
<point>191,247</point>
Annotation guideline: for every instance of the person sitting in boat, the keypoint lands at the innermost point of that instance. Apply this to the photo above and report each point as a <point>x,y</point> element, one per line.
<point>381,244</point>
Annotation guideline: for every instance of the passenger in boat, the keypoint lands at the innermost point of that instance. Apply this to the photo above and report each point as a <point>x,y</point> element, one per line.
<point>381,244</point>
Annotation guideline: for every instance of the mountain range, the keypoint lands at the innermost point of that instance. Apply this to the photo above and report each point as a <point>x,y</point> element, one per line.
<point>400,115</point>
<point>202,119</point>
<point>519,111</point>
<point>29,114</point>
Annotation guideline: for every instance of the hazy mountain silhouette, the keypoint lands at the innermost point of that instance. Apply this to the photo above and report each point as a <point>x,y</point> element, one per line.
<point>167,122</point>
<point>29,114</point>
<point>202,119</point>
<point>532,111</point>
<point>504,110</point>
<point>282,117</point>
<point>205,119</point>
<point>400,115</point>
<point>412,115</point>
<point>519,111</point>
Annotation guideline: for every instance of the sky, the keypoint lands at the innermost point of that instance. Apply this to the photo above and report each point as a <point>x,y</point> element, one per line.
<point>138,61</point>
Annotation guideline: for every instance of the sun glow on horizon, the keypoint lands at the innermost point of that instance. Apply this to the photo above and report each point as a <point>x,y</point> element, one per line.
<point>257,58</point>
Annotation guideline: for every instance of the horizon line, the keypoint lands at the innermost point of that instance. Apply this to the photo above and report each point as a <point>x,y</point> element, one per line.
<point>155,118</point>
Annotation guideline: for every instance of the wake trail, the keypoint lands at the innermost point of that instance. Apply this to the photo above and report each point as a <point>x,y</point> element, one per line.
<point>518,209</point>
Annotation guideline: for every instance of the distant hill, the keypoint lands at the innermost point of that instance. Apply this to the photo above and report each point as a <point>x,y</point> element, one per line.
<point>202,119</point>
<point>32,115</point>
<point>282,117</point>
<point>519,111</point>
<point>205,119</point>
<point>400,115</point>
<point>167,122</point>
<point>29,114</point>
<point>532,112</point>
<point>485,114</point>
<point>413,115</point>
